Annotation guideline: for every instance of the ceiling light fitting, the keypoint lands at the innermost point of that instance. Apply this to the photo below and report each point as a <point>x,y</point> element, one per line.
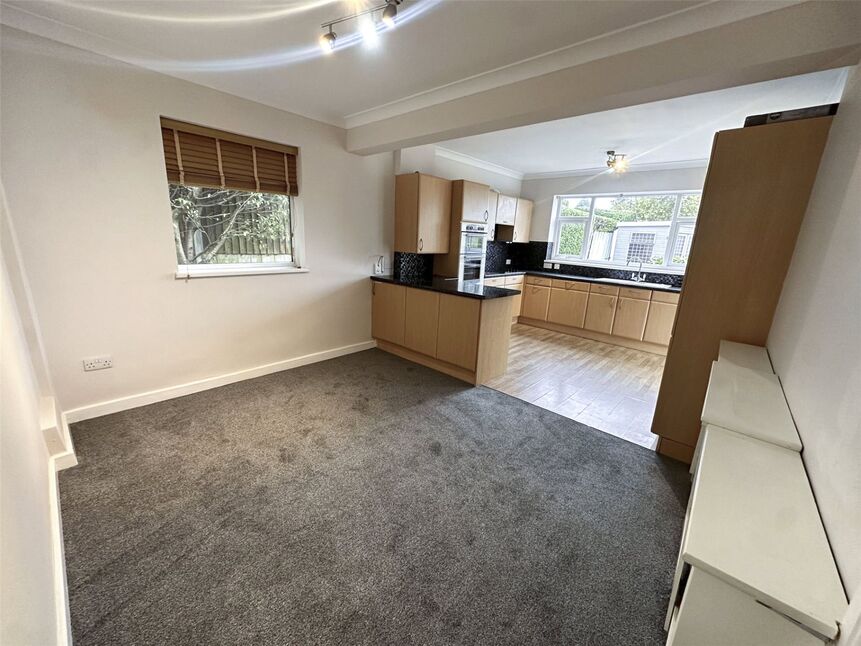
<point>616,162</point>
<point>389,13</point>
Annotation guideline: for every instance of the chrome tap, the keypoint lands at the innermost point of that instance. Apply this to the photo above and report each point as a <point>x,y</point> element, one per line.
<point>638,276</point>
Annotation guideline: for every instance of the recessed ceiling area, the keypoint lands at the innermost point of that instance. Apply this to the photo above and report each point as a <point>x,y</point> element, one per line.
<point>268,52</point>
<point>653,135</point>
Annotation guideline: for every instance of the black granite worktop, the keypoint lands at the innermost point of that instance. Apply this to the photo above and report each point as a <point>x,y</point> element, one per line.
<point>587,279</point>
<point>469,288</point>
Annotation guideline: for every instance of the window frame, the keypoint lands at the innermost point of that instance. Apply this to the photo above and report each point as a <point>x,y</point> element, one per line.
<point>296,266</point>
<point>557,221</point>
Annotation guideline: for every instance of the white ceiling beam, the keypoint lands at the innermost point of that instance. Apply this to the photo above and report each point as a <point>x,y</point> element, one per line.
<point>794,40</point>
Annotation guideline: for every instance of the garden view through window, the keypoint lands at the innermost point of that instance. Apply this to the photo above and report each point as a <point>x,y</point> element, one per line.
<point>226,226</point>
<point>619,230</point>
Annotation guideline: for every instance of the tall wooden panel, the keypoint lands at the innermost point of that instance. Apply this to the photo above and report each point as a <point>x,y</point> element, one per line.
<point>755,195</point>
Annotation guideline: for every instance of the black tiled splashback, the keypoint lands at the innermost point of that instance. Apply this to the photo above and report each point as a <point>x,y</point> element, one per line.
<point>531,257</point>
<point>413,266</point>
<point>524,257</point>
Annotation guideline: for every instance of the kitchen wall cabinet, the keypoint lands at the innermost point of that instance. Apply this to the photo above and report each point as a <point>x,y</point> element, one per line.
<point>506,209</point>
<point>567,307</point>
<point>421,321</point>
<point>536,299</point>
<point>630,319</point>
<point>388,312</point>
<point>600,312</point>
<point>522,220</point>
<point>422,213</point>
<point>457,342</point>
<point>492,205</point>
<point>519,227</point>
<point>470,202</point>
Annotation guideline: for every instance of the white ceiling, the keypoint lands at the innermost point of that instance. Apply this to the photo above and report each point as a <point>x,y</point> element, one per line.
<point>267,51</point>
<point>654,135</point>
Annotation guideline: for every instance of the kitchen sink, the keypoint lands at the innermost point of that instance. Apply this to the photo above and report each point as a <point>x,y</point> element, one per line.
<point>633,283</point>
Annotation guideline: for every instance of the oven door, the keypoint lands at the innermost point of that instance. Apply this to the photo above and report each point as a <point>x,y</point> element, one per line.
<point>473,244</point>
<point>471,267</point>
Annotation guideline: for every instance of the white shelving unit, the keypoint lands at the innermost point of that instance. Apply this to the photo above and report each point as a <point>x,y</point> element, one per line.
<point>754,566</point>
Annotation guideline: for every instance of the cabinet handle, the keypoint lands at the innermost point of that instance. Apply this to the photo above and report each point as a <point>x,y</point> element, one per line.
<point>514,237</point>
<point>421,244</point>
<point>486,215</point>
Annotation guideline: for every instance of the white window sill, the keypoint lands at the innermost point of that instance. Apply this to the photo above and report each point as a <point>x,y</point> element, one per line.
<point>605,265</point>
<point>220,271</point>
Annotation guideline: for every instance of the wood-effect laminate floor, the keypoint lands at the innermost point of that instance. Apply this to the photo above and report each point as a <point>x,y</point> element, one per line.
<point>605,386</point>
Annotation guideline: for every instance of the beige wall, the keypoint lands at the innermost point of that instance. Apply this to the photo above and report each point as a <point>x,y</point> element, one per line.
<point>28,605</point>
<point>815,341</point>
<point>425,159</point>
<point>96,238</point>
<point>542,191</point>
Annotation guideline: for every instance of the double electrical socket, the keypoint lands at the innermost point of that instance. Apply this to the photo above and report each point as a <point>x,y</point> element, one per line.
<point>98,363</point>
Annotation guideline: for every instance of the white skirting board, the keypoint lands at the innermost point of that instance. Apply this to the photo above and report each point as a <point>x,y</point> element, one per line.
<point>170,392</point>
<point>61,590</point>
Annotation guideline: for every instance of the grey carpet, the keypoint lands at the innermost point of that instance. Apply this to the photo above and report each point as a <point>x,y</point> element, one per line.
<point>365,500</point>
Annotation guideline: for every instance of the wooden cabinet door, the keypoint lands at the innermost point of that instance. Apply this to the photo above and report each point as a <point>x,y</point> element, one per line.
<point>506,209</point>
<point>434,215</point>
<point>535,302</point>
<point>630,319</point>
<point>457,339</point>
<point>474,202</point>
<point>421,321</point>
<point>388,312</point>
<point>567,307</point>
<point>600,312</point>
<point>522,220</point>
<point>659,324</point>
<point>492,204</point>
<point>515,282</point>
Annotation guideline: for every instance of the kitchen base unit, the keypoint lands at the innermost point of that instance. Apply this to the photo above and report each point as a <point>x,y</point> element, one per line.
<point>461,331</point>
<point>634,317</point>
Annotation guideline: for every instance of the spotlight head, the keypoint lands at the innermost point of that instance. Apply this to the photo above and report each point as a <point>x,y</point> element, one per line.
<point>389,13</point>
<point>327,41</point>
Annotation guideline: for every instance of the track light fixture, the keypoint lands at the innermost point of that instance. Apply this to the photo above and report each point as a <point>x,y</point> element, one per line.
<point>327,41</point>
<point>389,13</point>
<point>616,162</point>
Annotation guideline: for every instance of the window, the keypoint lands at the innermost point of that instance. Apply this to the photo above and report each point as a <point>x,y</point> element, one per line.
<point>231,201</point>
<point>655,229</point>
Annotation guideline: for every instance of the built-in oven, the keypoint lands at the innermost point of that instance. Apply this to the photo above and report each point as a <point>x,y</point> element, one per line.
<point>473,249</point>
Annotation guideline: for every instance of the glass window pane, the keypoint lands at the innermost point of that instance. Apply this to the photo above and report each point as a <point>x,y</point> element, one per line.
<point>636,228</point>
<point>571,238</point>
<point>224,226</point>
<point>690,206</point>
<point>575,207</point>
<point>682,246</point>
<point>601,239</point>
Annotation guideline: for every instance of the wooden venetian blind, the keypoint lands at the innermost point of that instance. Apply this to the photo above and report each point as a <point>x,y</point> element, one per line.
<point>200,156</point>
